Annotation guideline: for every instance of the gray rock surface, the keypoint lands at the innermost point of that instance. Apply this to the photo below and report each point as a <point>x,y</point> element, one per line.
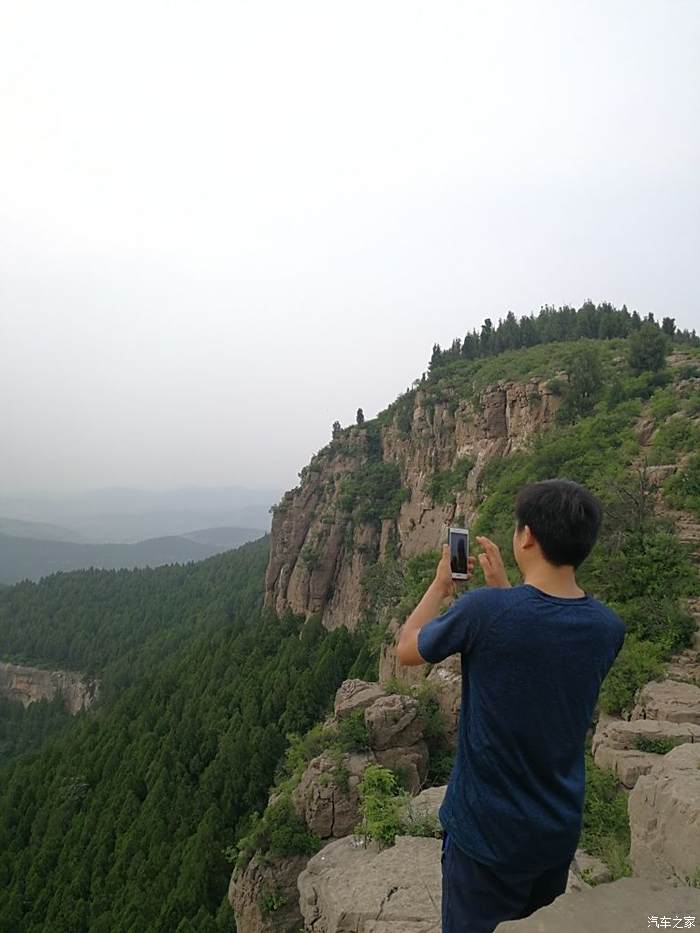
<point>410,763</point>
<point>615,740</point>
<point>327,797</point>
<point>446,679</point>
<point>664,812</point>
<point>347,888</point>
<point>393,722</point>
<point>355,694</point>
<point>670,700</point>
<point>624,906</point>
<point>258,887</point>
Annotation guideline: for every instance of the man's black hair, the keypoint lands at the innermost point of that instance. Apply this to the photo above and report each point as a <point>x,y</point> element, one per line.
<point>564,517</point>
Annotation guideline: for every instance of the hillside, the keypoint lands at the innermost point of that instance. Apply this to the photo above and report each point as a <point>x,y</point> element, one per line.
<point>217,673</point>
<point>28,558</point>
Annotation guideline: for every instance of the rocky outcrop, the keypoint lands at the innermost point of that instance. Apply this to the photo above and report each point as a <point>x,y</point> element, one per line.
<point>318,553</point>
<point>348,886</point>
<point>624,906</point>
<point>355,694</point>
<point>664,811</point>
<point>670,700</point>
<point>28,684</point>
<point>265,897</point>
<point>393,722</point>
<point>327,796</point>
<point>616,745</point>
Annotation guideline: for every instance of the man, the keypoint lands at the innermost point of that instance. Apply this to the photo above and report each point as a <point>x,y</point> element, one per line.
<point>533,660</point>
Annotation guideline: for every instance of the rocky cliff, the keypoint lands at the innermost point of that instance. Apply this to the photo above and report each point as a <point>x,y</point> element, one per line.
<point>28,684</point>
<point>393,485</point>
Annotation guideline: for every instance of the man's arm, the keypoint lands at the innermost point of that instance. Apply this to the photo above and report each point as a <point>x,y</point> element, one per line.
<point>442,587</point>
<point>427,609</point>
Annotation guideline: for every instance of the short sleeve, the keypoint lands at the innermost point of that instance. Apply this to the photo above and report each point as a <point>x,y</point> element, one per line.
<point>458,628</point>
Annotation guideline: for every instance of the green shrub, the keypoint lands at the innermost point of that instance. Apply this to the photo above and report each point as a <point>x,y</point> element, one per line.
<point>674,436</point>
<point>682,488</point>
<point>372,493</point>
<point>637,663</point>
<point>647,348</point>
<point>659,746</point>
<point>381,805</point>
<point>278,833</point>
<point>421,824</point>
<point>444,485</point>
<point>664,402</point>
<point>605,830</point>
<point>271,901</point>
<point>352,733</point>
<point>658,619</point>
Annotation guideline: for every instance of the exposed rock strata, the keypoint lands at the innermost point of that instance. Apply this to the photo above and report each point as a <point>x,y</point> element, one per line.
<point>623,906</point>
<point>317,554</point>
<point>29,684</point>
<point>664,810</point>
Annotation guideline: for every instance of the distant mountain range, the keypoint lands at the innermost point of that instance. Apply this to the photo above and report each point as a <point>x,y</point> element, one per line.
<point>25,558</point>
<point>125,515</point>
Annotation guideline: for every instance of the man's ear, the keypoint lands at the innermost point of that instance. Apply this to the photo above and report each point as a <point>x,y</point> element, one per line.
<point>529,539</point>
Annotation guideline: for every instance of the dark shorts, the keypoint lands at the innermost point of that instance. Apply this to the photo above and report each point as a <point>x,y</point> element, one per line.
<point>476,898</point>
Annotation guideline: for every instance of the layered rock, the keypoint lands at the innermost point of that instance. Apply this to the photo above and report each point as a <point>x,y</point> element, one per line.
<point>28,684</point>
<point>664,812</point>
<point>327,796</point>
<point>616,745</point>
<point>318,554</point>
<point>624,906</point>
<point>669,700</point>
<point>349,886</point>
<point>355,694</point>
<point>265,897</point>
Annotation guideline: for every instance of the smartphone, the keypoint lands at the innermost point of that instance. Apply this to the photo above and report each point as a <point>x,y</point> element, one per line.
<point>458,539</point>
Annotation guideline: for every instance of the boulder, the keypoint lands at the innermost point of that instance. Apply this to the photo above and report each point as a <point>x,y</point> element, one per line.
<point>355,694</point>
<point>393,721</point>
<point>685,666</point>
<point>624,906</point>
<point>410,764</point>
<point>669,700</point>
<point>427,803</point>
<point>620,733</point>
<point>664,814</point>
<point>347,887</point>
<point>446,680</point>
<point>590,868</point>
<point>265,897</point>
<point>627,765</point>
<point>327,797</point>
<point>615,745</point>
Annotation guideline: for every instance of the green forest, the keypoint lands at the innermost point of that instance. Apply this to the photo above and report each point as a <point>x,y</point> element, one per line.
<point>129,816</point>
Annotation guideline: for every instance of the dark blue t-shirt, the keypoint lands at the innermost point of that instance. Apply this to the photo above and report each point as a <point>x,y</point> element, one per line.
<point>532,667</point>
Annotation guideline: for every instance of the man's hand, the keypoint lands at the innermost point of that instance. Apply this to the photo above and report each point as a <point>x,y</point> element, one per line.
<point>443,575</point>
<point>492,563</point>
<point>442,587</point>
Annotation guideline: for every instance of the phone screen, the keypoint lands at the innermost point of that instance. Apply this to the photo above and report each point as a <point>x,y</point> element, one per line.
<point>459,546</point>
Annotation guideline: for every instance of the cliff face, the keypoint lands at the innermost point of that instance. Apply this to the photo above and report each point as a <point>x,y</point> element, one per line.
<point>28,684</point>
<point>318,551</point>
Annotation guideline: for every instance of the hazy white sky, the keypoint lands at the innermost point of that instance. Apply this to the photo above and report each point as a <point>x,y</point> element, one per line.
<point>225,225</point>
